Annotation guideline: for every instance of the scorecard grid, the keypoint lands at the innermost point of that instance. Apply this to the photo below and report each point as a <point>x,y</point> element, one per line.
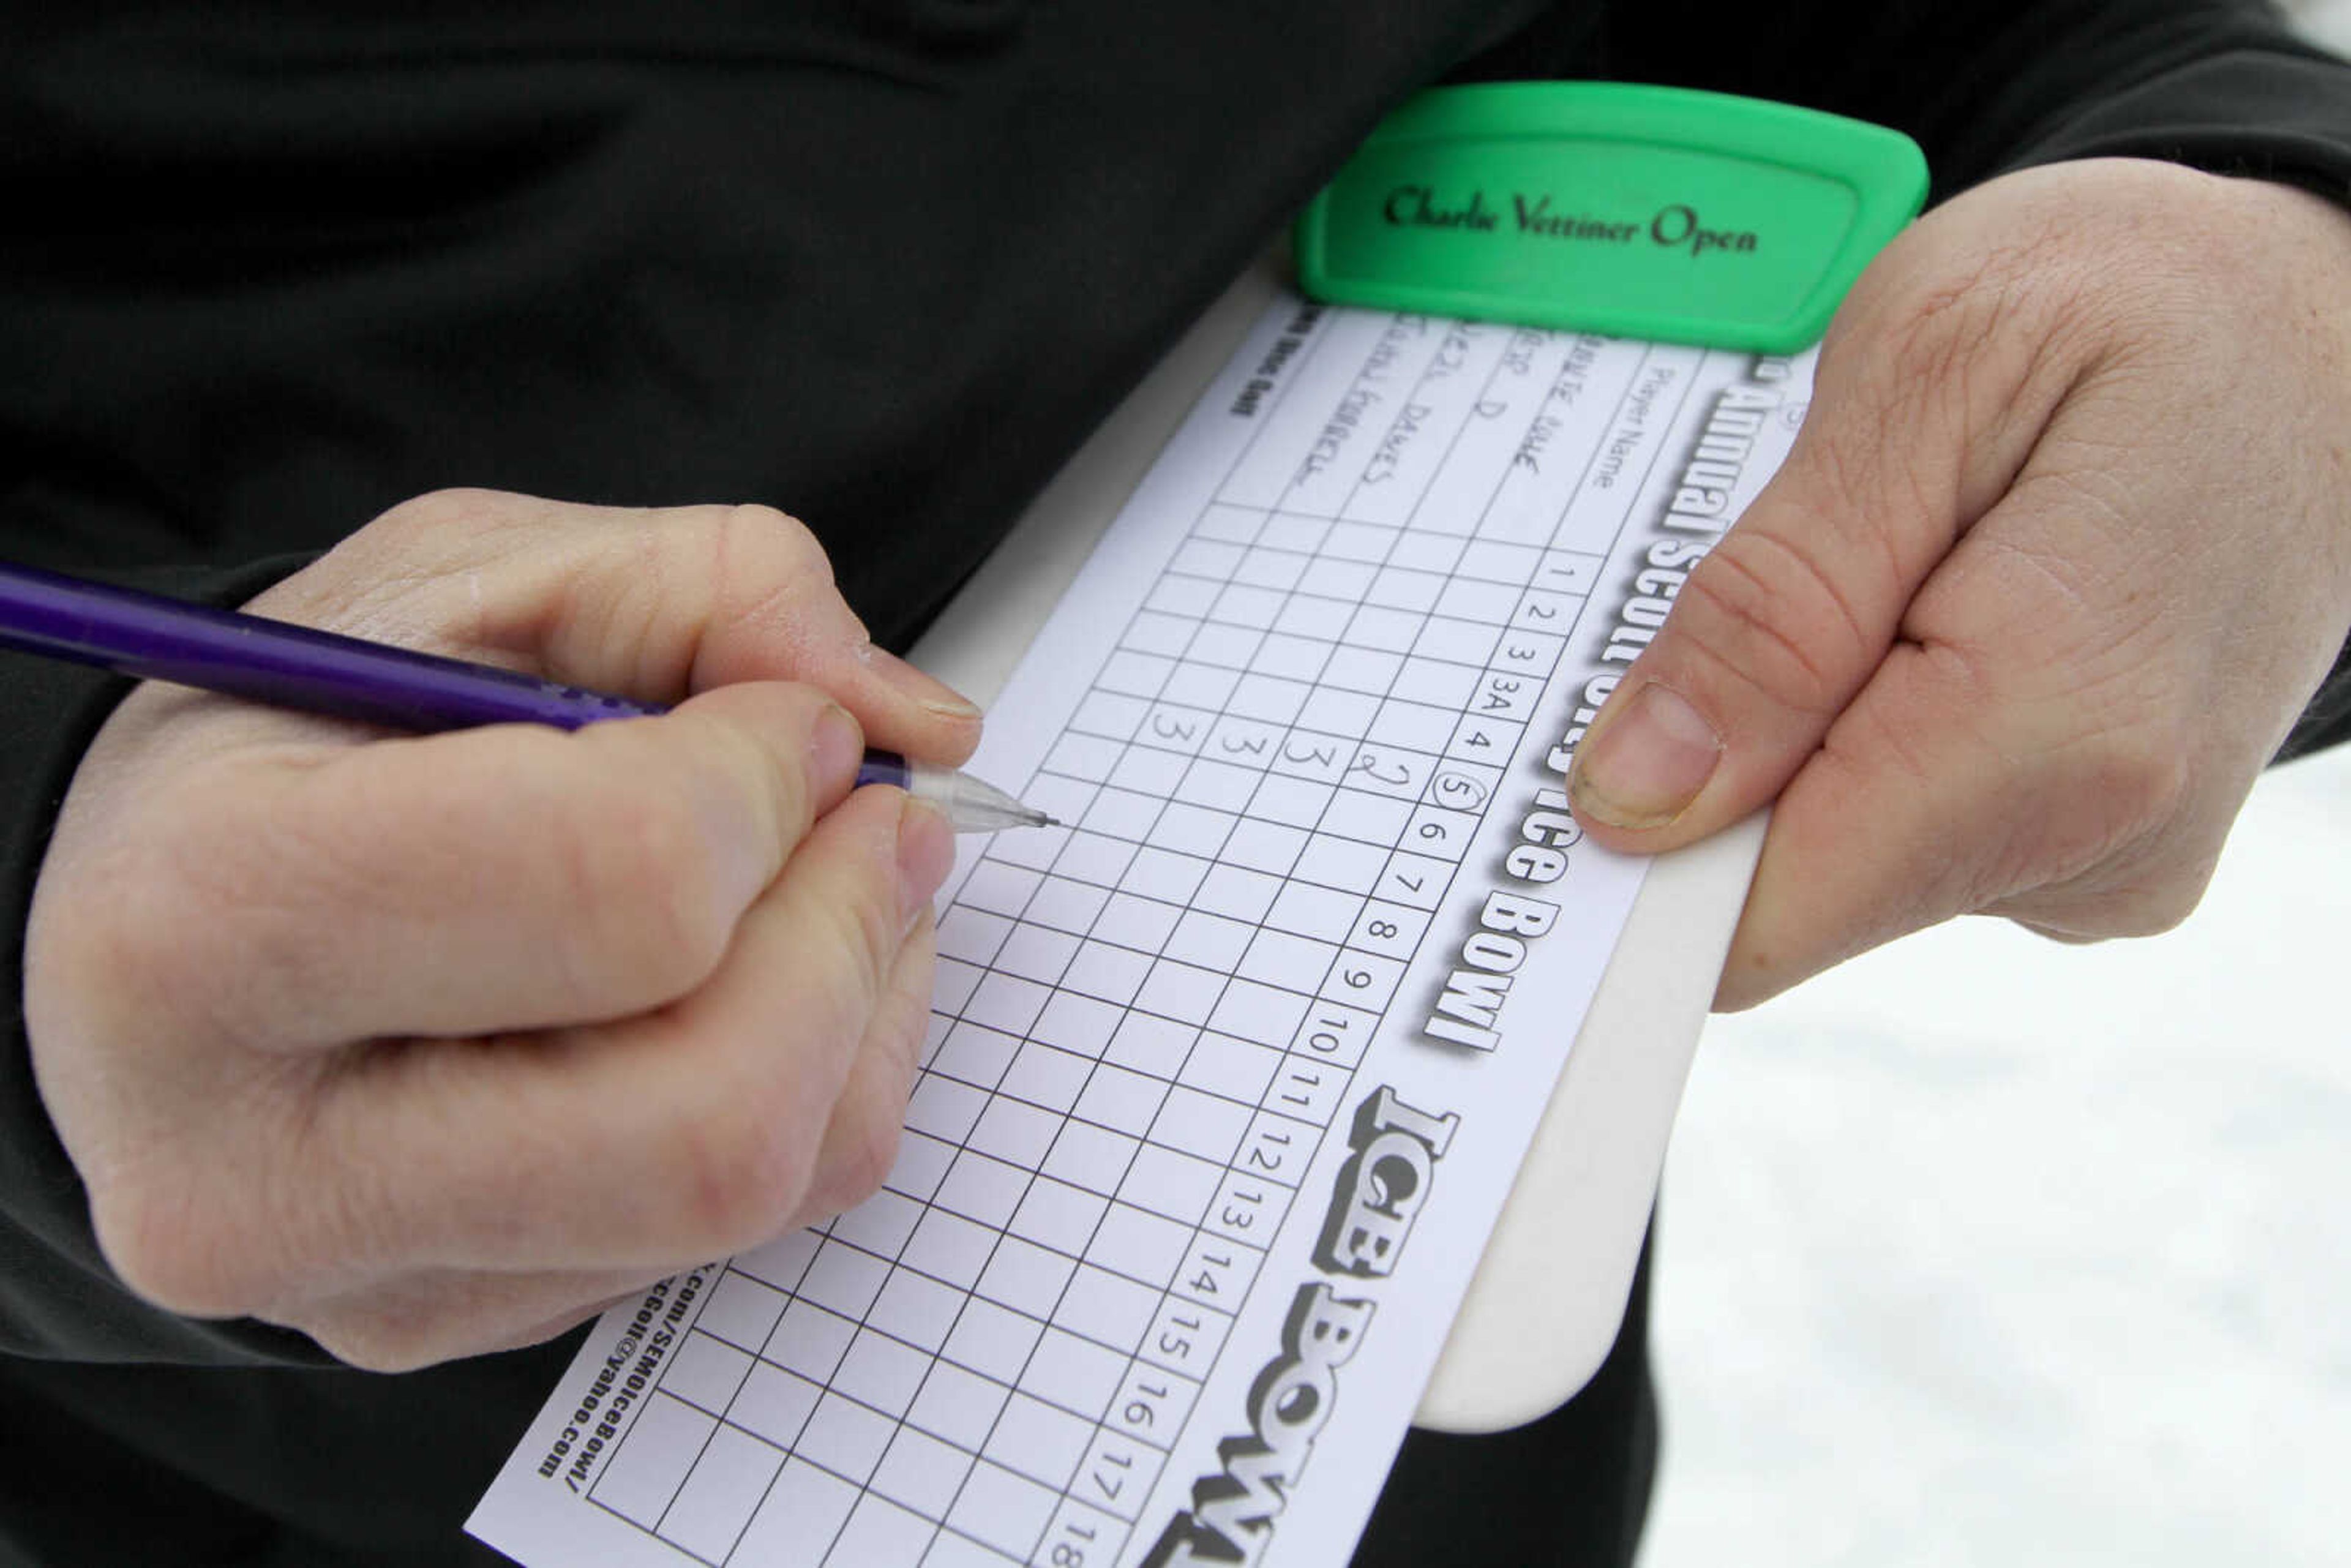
<point>1145,1022</point>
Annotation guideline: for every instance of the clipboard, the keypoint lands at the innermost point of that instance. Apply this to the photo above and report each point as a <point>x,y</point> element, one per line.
<point>1550,1291</point>
<point>1743,224</point>
<point>1377,606</point>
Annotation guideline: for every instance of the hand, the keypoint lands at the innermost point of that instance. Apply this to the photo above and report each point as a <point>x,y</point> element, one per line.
<point>2061,552</point>
<point>431,1046</point>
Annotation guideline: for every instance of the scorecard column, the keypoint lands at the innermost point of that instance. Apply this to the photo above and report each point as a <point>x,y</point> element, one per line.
<point>1265,1072</point>
<point>1078,1268</point>
<point>1189,1065</point>
<point>964,1414</point>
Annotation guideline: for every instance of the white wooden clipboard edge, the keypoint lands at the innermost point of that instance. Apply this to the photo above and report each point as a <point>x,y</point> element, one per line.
<point>1550,1292</point>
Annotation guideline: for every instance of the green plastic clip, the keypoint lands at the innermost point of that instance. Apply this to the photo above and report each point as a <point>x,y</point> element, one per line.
<point>1643,211</point>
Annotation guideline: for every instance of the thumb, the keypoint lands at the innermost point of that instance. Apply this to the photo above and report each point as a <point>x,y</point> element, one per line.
<point>1928,399</point>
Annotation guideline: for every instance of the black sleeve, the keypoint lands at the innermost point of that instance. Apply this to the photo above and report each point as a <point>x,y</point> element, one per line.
<point>1986,86</point>
<point>57,1298</point>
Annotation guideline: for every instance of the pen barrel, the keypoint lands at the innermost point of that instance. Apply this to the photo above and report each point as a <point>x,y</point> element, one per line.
<point>277,663</point>
<point>301,667</point>
<point>886,767</point>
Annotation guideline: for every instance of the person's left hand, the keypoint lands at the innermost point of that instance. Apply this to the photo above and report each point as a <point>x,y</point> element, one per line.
<point>2064,547</point>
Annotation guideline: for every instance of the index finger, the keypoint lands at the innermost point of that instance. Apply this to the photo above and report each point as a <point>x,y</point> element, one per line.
<point>649,603</point>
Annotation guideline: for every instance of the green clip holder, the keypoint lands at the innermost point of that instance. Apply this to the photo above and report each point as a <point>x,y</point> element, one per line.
<point>1643,212</point>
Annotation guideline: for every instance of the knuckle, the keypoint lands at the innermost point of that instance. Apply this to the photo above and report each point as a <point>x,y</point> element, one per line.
<point>96,958</point>
<point>870,933</point>
<point>2148,783</point>
<point>229,1211</point>
<point>140,938</point>
<point>640,892</point>
<point>1958,336</point>
<point>1940,333</point>
<point>2153,910</point>
<point>2098,825</point>
<point>400,551</point>
<point>436,513</point>
<point>357,1348</point>
<point>392,579</point>
<point>2133,783</point>
<point>1955,286</point>
<point>2144,908</point>
<point>162,1233</point>
<point>386,1341</point>
<point>750,525</point>
<point>780,548</point>
<point>868,1125</point>
<point>744,1170</point>
<point>772,567</point>
<point>235,914</point>
<point>842,999</point>
<point>1770,616</point>
<point>859,1155</point>
<point>854,937</point>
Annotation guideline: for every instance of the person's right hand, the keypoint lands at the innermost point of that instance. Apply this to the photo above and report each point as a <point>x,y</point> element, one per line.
<point>432,1046</point>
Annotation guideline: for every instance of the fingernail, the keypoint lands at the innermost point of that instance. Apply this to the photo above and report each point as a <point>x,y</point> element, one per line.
<point>1642,767</point>
<point>935,696</point>
<point>927,850</point>
<point>836,747</point>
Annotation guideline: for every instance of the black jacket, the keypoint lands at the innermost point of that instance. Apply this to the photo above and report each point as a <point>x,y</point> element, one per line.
<point>266,270</point>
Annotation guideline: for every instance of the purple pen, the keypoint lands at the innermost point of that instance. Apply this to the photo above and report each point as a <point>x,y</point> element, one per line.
<point>973,806</point>
<point>285,665</point>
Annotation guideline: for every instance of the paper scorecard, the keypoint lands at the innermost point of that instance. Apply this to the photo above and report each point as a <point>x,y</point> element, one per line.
<point>1225,1082</point>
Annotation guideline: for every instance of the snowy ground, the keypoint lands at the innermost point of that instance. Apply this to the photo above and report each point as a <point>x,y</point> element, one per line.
<point>1984,1250</point>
